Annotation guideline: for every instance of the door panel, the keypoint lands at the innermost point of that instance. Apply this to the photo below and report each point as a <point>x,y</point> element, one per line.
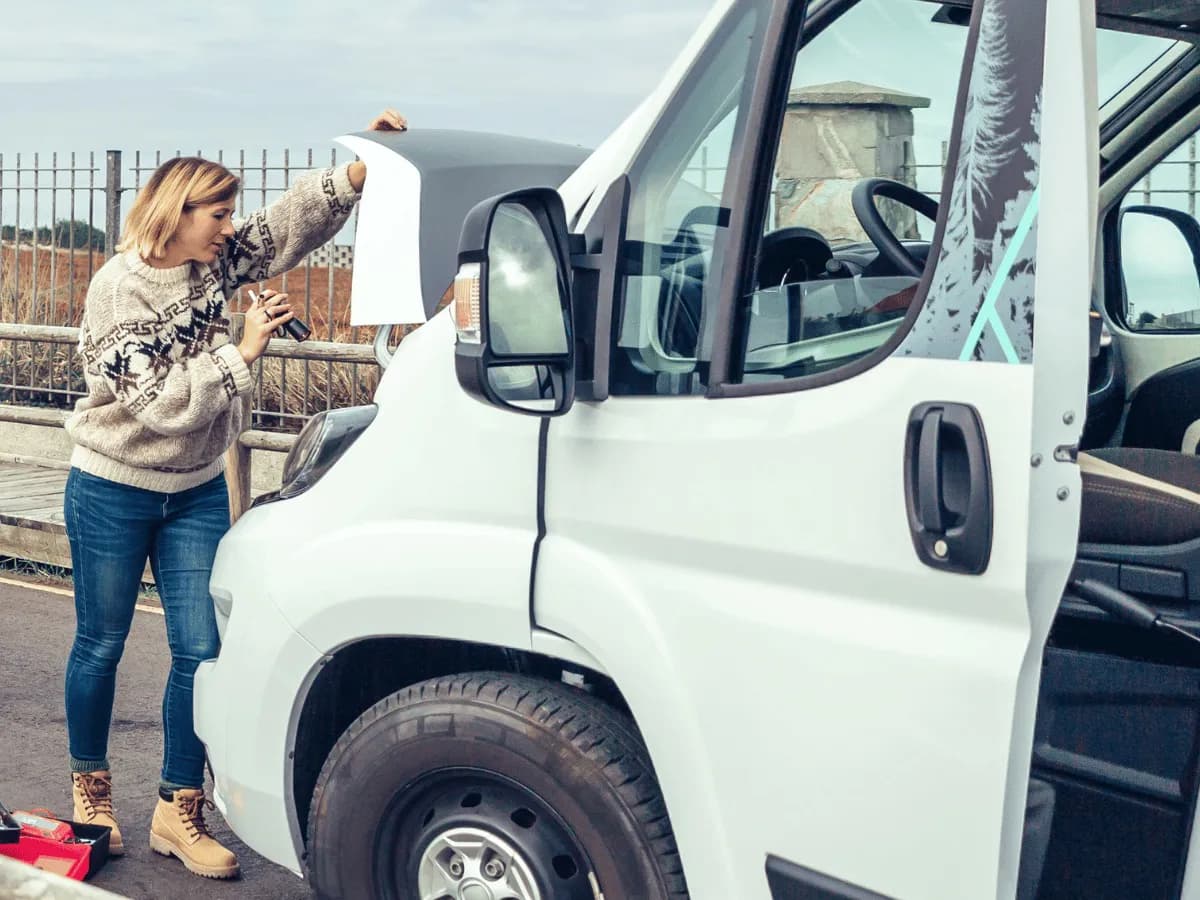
<point>1117,738</point>
<point>799,675</point>
<point>1163,408</point>
<point>742,563</point>
<point>1146,354</point>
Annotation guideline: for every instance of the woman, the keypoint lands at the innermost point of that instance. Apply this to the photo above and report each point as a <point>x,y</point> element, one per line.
<point>146,479</point>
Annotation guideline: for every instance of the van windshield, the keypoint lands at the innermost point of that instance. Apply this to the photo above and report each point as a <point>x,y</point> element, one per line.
<point>1122,56</point>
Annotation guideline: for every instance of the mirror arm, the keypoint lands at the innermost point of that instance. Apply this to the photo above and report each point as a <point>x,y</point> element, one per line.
<point>587,262</point>
<point>383,355</point>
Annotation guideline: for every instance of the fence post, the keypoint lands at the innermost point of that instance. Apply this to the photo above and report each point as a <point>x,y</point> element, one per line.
<point>237,457</point>
<point>112,203</point>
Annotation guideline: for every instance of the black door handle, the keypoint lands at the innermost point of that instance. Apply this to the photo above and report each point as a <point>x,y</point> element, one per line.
<point>929,481</point>
<point>948,487</point>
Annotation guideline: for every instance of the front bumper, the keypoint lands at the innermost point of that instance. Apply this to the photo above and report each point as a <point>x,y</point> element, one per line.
<point>244,703</point>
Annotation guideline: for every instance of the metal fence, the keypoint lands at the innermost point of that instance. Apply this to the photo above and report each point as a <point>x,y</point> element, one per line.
<point>1173,182</point>
<point>60,218</point>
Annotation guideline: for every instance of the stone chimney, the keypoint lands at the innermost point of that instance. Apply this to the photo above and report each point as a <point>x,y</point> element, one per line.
<point>834,135</point>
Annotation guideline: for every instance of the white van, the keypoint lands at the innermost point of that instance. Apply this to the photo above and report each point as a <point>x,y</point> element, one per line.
<point>749,576</point>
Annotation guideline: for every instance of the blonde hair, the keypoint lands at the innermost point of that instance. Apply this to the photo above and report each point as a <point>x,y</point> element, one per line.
<point>176,187</point>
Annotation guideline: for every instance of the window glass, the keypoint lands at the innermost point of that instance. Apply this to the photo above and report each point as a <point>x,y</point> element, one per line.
<point>872,96</point>
<point>1121,56</point>
<point>1161,291</point>
<point>675,217</point>
<point>858,108</point>
<point>1159,243</point>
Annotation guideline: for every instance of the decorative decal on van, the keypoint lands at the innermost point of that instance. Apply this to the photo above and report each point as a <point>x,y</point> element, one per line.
<point>987,313</point>
<point>980,301</point>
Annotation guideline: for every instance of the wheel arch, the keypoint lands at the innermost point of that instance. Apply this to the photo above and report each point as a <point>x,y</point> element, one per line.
<point>350,679</point>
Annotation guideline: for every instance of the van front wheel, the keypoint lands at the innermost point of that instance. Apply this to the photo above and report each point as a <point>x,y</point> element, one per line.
<point>491,785</point>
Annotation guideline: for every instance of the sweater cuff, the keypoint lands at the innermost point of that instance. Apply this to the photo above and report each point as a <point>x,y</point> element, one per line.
<point>341,184</point>
<point>242,379</point>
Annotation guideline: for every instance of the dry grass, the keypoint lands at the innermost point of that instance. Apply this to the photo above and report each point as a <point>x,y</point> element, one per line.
<point>301,388</point>
<point>286,392</point>
<point>34,572</point>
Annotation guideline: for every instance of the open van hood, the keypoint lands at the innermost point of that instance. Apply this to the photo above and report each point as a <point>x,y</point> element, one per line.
<point>420,186</point>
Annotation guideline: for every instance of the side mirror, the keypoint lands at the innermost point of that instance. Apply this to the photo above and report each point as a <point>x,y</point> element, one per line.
<point>512,304</point>
<point>1160,268</point>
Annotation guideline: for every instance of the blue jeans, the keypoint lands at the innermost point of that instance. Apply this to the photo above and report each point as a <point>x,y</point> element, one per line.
<point>113,530</point>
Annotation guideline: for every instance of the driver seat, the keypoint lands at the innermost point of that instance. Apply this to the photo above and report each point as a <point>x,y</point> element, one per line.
<point>1139,497</point>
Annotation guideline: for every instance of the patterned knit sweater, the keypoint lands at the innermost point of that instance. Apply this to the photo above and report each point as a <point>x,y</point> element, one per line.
<point>161,373</point>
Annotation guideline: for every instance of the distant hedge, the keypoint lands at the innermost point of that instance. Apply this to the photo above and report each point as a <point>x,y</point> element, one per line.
<point>65,234</point>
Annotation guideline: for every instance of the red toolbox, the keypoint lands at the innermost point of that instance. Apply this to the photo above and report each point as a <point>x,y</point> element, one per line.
<point>79,856</point>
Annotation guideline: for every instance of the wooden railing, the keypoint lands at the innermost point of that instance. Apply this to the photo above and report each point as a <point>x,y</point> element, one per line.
<point>237,461</point>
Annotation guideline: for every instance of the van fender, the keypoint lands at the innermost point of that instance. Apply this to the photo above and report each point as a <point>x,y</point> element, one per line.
<point>612,623</point>
<point>451,580</point>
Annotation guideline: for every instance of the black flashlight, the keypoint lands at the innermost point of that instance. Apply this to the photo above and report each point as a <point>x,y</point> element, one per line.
<point>295,328</point>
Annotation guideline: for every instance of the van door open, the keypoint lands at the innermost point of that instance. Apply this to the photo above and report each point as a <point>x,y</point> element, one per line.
<point>815,513</point>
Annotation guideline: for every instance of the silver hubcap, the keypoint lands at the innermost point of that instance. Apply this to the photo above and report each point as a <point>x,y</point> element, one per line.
<point>474,864</point>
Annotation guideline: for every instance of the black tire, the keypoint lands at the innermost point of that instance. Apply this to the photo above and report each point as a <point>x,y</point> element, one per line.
<point>558,774</point>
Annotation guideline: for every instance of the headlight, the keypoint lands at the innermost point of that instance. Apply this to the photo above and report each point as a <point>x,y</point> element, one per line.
<point>223,606</point>
<point>322,442</point>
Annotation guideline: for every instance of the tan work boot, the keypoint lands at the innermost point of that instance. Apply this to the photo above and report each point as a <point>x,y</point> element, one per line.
<point>178,830</point>
<point>92,792</point>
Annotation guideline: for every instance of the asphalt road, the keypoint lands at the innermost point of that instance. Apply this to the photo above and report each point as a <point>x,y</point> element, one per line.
<point>36,629</point>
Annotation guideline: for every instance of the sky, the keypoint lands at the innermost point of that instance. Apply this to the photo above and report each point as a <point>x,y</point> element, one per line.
<point>148,75</point>
<point>268,74</point>
<point>255,74</point>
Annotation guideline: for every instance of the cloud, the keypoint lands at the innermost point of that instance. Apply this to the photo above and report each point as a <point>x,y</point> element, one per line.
<point>306,68</point>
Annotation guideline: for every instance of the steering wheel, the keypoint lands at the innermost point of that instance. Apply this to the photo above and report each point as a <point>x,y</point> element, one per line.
<point>790,254</point>
<point>862,199</point>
